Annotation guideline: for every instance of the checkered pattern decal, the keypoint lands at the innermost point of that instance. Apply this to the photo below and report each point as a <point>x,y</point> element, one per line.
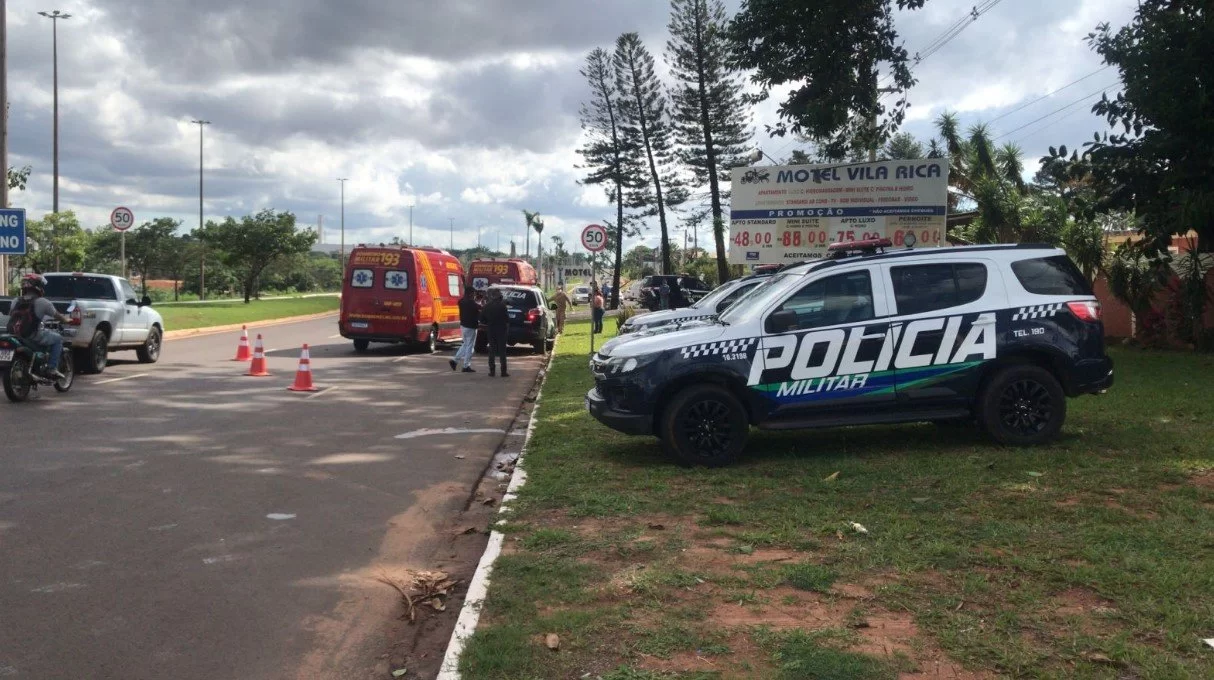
<point>718,348</point>
<point>1037,312</point>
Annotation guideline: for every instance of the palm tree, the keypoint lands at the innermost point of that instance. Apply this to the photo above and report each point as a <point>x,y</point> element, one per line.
<point>530,218</point>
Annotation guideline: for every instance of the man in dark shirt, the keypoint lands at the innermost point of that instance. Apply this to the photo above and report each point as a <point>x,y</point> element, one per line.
<point>495,318</point>
<point>469,316</point>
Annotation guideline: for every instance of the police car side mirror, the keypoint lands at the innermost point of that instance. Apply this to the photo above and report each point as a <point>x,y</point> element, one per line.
<point>783,320</point>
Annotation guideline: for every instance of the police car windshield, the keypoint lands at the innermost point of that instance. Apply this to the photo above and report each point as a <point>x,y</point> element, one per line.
<point>710,301</point>
<point>752,304</point>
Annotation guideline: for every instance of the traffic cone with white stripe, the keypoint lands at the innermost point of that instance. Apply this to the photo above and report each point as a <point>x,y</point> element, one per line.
<point>303,376</point>
<point>242,350</point>
<point>258,367</point>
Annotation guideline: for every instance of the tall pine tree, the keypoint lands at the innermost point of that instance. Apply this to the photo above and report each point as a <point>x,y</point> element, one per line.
<point>646,128</point>
<point>609,159</point>
<point>711,122</point>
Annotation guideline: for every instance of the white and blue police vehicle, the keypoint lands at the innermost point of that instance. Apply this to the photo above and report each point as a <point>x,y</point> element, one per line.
<point>1000,334</point>
<point>707,307</point>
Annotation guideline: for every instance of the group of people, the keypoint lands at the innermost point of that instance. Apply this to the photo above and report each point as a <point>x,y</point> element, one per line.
<point>482,309</point>
<point>597,307</point>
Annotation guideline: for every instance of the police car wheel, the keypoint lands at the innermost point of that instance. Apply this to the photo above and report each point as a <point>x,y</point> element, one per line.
<point>704,425</point>
<point>1023,406</point>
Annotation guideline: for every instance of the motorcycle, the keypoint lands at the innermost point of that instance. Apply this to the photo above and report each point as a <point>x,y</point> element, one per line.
<point>21,365</point>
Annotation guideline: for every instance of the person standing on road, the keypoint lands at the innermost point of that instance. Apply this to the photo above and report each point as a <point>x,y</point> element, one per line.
<point>469,316</point>
<point>496,318</point>
<point>562,302</point>
<point>597,310</point>
<point>664,294</point>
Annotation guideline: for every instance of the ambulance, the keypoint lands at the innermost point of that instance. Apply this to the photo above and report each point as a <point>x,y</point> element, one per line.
<point>509,271</point>
<point>400,295</point>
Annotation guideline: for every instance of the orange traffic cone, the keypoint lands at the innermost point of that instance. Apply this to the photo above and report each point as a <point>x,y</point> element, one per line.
<point>258,367</point>
<point>242,351</point>
<point>303,376</point>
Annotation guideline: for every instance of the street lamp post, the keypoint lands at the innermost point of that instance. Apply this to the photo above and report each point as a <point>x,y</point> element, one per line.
<point>342,181</point>
<point>411,243</point>
<point>202,262</point>
<point>451,232</point>
<point>54,16</point>
<point>3,132</point>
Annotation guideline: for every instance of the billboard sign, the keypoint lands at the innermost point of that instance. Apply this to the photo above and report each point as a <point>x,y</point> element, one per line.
<point>790,213</point>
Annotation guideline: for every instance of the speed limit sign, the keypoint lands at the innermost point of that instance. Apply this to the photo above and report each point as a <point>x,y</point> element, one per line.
<point>122,219</point>
<point>594,238</point>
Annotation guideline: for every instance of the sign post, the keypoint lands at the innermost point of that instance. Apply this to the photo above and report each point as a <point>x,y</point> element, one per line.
<point>121,220</point>
<point>12,239</point>
<point>594,239</point>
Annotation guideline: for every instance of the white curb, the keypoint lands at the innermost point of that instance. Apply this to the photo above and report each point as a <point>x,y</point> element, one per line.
<point>478,588</point>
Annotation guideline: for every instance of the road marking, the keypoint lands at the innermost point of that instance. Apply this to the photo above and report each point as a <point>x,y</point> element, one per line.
<point>125,377</point>
<point>320,393</point>
<point>400,359</point>
<point>280,515</point>
<point>57,587</point>
<point>448,430</point>
<point>331,337</point>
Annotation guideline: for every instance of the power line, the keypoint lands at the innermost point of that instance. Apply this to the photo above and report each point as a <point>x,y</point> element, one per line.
<point>1047,126</point>
<point>1048,94</point>
<point>1056,111</point>
<point>949,34</point>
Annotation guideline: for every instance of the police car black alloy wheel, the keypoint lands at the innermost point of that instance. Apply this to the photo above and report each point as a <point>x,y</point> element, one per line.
<point>705,425</point>
<point>1023,406</point>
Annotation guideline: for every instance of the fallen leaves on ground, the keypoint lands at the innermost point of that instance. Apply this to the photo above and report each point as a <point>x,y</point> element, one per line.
<point>422,588</point>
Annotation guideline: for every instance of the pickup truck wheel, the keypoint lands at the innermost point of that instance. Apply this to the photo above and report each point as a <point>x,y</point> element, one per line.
<point>97,355</point>
<point>1022,406</point>
<point>704,425</point>
<point>361,346</point>
<point>149,353</point>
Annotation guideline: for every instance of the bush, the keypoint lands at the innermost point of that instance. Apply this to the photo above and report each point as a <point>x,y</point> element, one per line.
<point>624,314</point>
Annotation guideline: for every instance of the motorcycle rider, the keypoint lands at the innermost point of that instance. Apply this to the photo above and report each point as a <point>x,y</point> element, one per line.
<point>33,287</point>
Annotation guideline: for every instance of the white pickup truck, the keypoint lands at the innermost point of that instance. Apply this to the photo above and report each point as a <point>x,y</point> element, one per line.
<point>106,315</point>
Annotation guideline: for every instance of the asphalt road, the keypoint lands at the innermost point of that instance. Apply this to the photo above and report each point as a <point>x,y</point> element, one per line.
<point>184,521</point>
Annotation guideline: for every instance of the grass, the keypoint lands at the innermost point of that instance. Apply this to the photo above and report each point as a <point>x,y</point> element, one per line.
<point>207,314</point>
<point>1088,558</point>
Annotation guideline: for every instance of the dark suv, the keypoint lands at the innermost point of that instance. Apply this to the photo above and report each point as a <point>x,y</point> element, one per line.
<point>684,290</point>
<point>530,321</point>
<point>999,334</point>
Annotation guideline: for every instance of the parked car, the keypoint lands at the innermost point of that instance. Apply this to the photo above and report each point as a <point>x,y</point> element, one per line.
<point>107,316</point>
<point>998,334</point>
<point>705,308</point>
<point>401,295</point>
<point>531,322</point>
<point>581,295</point>
<point>684,290</point>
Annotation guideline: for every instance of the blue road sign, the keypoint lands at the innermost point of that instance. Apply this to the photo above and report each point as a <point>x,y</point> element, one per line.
<point>12,231</point>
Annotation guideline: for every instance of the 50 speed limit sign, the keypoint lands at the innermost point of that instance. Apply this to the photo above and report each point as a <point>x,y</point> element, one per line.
<point>594,238</point>
<point>122,219</point>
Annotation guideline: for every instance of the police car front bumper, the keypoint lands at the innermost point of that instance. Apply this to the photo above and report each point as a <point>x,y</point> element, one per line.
<point>628,423</point>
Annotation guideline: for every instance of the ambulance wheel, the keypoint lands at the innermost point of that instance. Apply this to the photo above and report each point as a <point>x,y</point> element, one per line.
<point>1022,406</point>
<point>361,346</point>
<point>704,425</point>
<point>432,343</point>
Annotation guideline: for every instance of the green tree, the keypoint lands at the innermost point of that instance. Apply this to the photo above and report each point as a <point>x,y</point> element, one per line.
<point>529,219</point>
<point>903,146</point>
<point>18,178</point>
<point>645,126</point>
<point>609,160</point>
<point>256,241</point>
<point>828,55</point>
<point>177,254</point>
<point>57,236</point>
<point>711,123</point>
<point>1159,166</point>
<point>145,247</point>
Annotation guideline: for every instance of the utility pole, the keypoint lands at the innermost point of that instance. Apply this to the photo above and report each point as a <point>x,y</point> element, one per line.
<point>320,229</point>
<point>54,16</point>
<point>411,225</point>
<point>342,181</point>
<point>451,232</point>
<point>4,132</point>
<point>202,265</point>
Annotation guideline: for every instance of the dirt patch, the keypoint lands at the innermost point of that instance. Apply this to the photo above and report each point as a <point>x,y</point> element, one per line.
<point>1204,480</point>
<point>810,611</point>
<point>745,660</point>
<point>1081,602</point>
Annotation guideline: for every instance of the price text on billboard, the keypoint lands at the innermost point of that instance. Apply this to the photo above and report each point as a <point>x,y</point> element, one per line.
<point>790,213</point>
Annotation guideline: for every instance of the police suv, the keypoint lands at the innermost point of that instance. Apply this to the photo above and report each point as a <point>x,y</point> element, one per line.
<point>1001,334</point>
<point>706,307</point>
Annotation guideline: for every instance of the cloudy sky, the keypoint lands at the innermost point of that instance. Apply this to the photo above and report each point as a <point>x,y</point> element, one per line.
<point>466,109</point>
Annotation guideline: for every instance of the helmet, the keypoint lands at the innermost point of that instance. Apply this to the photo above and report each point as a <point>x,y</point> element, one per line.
<point>36,282</point>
